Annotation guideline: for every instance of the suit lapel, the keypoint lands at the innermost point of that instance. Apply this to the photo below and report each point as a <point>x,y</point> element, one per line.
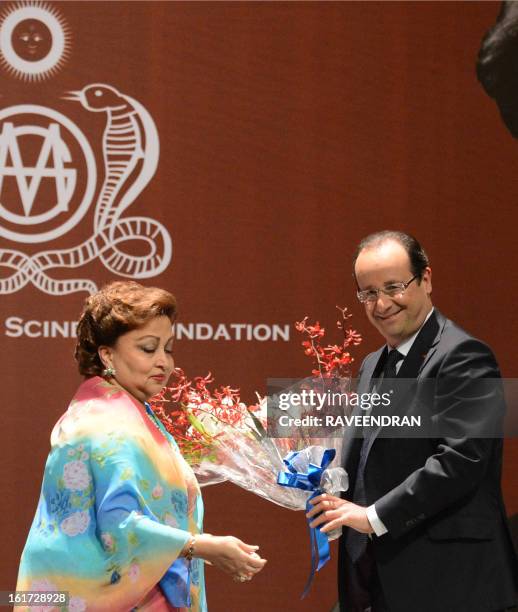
<point>369,371</point>
<point>372,369</point>
<point>420,351</point>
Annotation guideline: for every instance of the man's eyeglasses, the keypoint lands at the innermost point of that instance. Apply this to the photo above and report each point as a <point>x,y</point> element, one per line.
<point>371,295</point>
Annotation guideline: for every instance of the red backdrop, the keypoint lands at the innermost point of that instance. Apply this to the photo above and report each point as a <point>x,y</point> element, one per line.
<point>287,132</point>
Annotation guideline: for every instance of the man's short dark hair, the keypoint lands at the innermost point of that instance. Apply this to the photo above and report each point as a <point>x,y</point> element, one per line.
<point>417,255</point>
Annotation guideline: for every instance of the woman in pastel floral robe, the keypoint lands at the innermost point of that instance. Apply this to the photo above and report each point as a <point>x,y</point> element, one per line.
<point>119,521</point>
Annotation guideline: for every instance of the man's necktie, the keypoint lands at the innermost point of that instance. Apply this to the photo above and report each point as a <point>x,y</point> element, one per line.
<point>389,369</point>
<point>356,541</point>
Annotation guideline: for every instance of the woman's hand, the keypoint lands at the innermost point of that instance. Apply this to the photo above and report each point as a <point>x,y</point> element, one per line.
<point>334,512</point>
<point>230,555</point>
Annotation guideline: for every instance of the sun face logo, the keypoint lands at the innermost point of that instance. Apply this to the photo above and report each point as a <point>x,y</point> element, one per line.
<point>34,40</point>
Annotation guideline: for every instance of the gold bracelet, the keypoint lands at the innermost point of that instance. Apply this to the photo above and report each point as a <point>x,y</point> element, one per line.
<point>190,550</point>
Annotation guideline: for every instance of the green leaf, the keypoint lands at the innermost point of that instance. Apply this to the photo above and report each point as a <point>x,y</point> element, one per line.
<point>127,473</point>
<point>75,501</point>
<point>196,424</point>
<point>259,426</point>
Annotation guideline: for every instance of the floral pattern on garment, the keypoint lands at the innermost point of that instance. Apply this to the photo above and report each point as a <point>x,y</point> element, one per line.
<point>75,475</point>
<point>117,506</point>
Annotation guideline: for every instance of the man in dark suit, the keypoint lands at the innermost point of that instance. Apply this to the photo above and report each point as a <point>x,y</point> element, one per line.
<point>424,522</point>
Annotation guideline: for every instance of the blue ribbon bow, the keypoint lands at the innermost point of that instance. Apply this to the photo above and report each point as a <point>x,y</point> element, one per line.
<point>310,482</point>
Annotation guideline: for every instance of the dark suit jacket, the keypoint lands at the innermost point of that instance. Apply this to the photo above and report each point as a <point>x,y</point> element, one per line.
<point>448,546</point>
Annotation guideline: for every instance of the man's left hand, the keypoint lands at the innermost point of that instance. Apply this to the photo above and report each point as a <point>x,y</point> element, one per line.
<point>334,512</point>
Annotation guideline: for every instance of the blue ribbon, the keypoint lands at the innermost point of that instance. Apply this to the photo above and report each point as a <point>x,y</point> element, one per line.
<point>310,482</point>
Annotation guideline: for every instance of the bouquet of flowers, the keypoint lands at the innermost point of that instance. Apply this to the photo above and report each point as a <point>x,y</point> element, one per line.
<point>222,438</point>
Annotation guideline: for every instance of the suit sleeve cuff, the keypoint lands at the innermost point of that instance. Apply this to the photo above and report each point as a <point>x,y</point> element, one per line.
<point>375,521</point>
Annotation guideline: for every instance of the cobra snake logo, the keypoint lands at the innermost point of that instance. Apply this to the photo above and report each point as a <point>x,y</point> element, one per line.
<point>130,144</point>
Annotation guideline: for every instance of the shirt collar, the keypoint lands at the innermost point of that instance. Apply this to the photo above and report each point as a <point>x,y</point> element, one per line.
<point>405,347</point>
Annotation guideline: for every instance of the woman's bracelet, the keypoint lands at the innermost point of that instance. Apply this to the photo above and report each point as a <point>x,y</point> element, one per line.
<point>189,553</point>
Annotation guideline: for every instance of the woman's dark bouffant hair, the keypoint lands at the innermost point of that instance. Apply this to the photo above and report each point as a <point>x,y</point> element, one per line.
<point>116,309</point>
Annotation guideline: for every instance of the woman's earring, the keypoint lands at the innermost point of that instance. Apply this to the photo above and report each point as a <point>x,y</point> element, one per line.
<point>109,372</point>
